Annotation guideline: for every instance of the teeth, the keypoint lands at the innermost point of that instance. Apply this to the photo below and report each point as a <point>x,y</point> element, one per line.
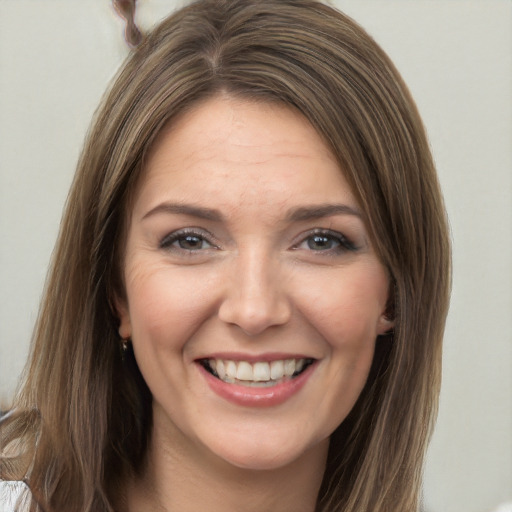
<point>299,365</point>
<point>260,372</point>
<point>230,369</point>
<point>244,371</point>
<point>289,367</point>
<point>256,374</point>
<point>220,368</point>
<point>276,370</point>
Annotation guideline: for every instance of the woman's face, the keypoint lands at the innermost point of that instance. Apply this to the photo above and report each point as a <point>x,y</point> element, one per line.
<point>254,296</point>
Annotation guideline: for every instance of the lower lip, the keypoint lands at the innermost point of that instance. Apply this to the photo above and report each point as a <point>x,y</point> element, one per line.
<point>255,396</point>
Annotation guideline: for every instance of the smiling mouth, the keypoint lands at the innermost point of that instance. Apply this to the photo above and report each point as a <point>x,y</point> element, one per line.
<point>259,374</point>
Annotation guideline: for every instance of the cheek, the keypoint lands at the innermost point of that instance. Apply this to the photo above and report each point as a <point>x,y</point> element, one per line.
<point>165,306</point>
<point>347,308</point>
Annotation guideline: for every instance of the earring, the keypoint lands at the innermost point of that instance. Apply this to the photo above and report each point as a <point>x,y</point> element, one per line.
<point>125,345</point>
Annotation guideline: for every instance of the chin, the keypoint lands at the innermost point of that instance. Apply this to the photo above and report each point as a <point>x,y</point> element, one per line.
<point>258,454</point>
<point>255,460</point>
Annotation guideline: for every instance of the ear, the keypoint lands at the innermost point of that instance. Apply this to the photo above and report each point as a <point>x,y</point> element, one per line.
<point>125,325</point>
<point>385,324</point>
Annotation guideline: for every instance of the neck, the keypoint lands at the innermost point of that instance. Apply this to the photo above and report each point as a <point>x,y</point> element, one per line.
<point>180,476</point>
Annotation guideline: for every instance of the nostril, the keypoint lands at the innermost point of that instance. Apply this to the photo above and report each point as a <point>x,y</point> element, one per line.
<point>254,298</point>
<point>254,317</point>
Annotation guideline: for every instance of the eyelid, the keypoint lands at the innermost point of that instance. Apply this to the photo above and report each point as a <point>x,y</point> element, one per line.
<point>346,244</point>
<point>170,238</point>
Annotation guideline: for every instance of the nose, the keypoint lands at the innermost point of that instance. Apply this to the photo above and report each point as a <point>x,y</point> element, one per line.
<point>255,296</point>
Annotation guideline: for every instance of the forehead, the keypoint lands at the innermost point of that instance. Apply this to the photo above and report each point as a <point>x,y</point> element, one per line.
<point>237,150</point>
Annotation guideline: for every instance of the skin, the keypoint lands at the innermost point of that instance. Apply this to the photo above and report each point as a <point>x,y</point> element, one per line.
<point>252,282</point>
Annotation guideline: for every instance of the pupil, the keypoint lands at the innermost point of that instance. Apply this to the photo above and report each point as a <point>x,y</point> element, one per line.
<point>190,242</point>
<point>319,242</point>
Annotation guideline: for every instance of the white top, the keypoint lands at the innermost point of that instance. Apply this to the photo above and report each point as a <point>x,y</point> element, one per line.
<point>14,497</point>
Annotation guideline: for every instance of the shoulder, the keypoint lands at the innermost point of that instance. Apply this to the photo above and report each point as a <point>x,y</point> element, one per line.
<point>505,507</point>
<point>14,497</point>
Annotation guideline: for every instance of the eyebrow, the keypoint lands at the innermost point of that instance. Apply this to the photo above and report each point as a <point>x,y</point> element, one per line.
<point>302,213</point>
<point>323,210</point>
<point>186,209</point>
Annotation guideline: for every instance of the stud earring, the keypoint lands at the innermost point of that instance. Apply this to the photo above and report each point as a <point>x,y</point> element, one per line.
<point>125,345</point>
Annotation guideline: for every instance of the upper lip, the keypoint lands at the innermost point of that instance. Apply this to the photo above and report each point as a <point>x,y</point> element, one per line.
<point>254,358</point>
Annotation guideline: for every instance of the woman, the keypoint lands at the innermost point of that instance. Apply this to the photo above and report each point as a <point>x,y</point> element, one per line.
<point>247,299</point>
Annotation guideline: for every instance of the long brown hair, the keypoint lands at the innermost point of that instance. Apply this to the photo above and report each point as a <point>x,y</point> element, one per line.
<point>83,416</point>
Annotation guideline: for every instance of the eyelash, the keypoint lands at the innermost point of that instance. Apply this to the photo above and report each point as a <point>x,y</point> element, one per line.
<point>181,235</point>
<point>342,243</point>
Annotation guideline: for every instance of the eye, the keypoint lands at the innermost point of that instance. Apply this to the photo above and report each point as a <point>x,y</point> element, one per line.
<point>186,240</point>
<point>322,242</point>
<point>326,241</point>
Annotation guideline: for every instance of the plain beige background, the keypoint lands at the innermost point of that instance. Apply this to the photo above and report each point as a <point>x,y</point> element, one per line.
<point>56,57</point>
